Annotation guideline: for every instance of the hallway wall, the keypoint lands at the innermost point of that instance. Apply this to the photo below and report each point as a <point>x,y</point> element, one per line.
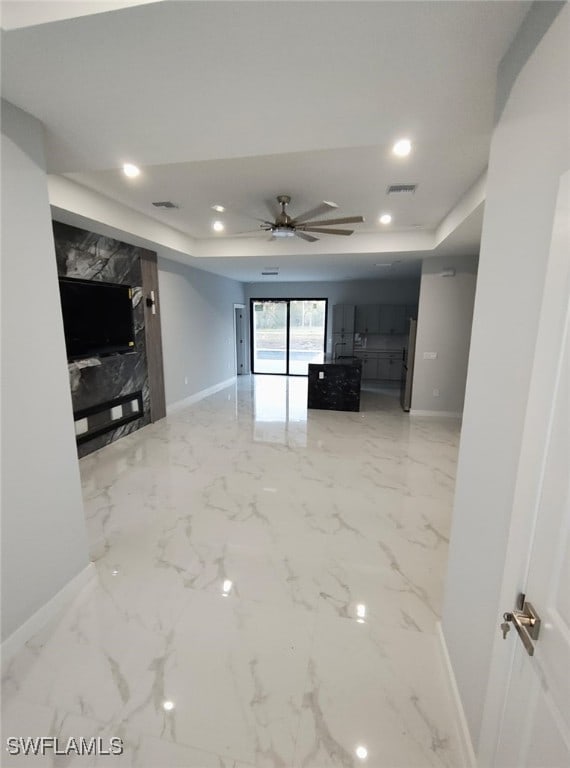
<point>44,542</point>
<point>529,152</point>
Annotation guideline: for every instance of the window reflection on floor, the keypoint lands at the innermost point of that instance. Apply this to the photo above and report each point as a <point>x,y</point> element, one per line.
<point>280,410</point>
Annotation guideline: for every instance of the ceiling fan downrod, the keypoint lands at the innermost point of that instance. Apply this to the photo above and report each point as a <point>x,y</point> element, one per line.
<point>283,219</point>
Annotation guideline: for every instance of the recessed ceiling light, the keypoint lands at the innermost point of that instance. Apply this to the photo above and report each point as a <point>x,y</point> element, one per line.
<point>168,705</point>
<point>218,226</point>
<point>386,218</point>
<point>218,208</point>
<point>131,170</point>
<point>402,147</point>
<point>361,753</point>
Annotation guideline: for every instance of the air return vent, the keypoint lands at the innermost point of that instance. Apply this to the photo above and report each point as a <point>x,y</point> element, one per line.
<point>165,204</point>
<point>270,272</point>
<point>394,188</point>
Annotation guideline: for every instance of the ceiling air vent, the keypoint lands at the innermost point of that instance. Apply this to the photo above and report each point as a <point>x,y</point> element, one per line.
<point>165,204</point>
<point>394,188</point>
<point>270,272</point>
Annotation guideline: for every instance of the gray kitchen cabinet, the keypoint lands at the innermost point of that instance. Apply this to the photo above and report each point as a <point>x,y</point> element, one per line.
<point>343,318</point>
<point>369,367</point>
<point>383,369</point>
<point>367,318</point>
<point>395,368</point>
<point>393,319</point>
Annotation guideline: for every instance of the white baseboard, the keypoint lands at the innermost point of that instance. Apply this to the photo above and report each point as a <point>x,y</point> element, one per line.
<point>40,618</point>
<point>468,753</point>
<point>444,414</point>
<point>199,395</point>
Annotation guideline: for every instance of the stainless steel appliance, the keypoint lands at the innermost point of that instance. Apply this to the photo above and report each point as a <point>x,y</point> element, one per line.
<point>408,367</point>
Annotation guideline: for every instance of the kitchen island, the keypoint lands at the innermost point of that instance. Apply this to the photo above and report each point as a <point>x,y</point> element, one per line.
<point>335,386</point>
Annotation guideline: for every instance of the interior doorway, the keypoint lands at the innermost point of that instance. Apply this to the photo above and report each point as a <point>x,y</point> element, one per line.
<point>287,335</point>
<point>239,335</point>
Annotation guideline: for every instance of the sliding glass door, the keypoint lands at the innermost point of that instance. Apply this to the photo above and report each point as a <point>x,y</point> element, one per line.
<point>287,335</point>
<point>307,320</point>
<point>269,336</point>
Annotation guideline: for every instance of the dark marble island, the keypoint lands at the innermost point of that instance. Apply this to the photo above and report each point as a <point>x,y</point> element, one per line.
<point>335,386</point>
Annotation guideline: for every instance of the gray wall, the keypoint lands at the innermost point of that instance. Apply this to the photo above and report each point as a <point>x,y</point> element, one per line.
<point>445,316</point>
<point>386,291</point>
<point>529,152</point>
<point>197,318</point>
<point>44,542</point>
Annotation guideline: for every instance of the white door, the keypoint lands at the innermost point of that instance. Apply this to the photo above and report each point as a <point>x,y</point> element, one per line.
<point>529,696</point>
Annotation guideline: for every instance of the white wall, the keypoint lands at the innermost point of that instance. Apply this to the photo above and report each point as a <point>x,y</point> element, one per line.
<point>444,326</point>
<point>529,152</point>
<point>387,291</point>
<point>197,318</point>
<point>44,543</point>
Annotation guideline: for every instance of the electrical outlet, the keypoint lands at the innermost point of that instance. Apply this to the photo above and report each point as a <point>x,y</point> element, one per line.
<point>186,380</point>
<point>430,355</point>
<point>436,393</point>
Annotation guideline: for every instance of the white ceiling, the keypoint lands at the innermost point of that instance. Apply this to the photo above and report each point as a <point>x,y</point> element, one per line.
<point>236,102</point>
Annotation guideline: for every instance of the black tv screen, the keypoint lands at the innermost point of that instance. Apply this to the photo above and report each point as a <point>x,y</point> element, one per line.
<point>97,318</point>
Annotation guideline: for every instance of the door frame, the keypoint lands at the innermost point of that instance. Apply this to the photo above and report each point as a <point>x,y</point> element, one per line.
<point>534,441</point>
<point>239,306</point>
<point>288,300</point>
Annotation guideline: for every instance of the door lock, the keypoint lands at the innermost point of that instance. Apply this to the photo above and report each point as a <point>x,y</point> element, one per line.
<point>526,622</point>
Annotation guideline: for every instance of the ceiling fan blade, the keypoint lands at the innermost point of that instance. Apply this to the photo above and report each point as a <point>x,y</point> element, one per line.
<point>305,236</point>
<point>249,233</point>
<point>324,207</point>
<point>329,231</point>
<point>346,220</point>
<point>247,215</point>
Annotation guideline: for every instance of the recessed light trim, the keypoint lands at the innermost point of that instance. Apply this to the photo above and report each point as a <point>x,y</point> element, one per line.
<point>218,226</point>
<point>130,170</point>
<point>386,218</point>
<point>402,148</point>
<point>218,208</point>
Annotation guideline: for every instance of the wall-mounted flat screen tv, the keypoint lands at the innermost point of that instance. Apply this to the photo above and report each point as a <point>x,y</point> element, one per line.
<point>97,318</point>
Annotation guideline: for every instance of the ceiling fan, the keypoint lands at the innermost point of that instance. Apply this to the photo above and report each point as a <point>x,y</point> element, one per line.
<point>302,225</point>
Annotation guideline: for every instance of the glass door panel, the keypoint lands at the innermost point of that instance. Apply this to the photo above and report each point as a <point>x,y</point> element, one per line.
<point>306,334</point>
<point>269,343</point>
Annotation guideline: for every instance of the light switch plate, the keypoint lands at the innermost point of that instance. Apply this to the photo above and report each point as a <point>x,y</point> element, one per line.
<point>321,374</point>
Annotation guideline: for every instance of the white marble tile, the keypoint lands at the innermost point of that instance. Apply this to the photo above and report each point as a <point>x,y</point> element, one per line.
<point>378,689</point>
<point>234,672</point>
<point>310,516</point>
<point>24,719</point>
<point>87,661</point>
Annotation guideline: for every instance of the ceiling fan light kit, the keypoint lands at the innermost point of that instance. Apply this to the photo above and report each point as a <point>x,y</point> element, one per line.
<point>303,225</point>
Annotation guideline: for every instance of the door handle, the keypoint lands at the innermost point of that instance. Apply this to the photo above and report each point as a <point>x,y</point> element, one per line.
<point>526,622</point>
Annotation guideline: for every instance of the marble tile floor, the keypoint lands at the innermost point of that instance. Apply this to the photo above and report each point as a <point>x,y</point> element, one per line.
<point>267,587</point>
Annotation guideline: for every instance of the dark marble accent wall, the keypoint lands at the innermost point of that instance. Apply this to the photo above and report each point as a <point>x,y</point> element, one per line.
<point>90,256</point>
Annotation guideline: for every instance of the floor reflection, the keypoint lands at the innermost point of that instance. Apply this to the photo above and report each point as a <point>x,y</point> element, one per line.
<point>280,409</point>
